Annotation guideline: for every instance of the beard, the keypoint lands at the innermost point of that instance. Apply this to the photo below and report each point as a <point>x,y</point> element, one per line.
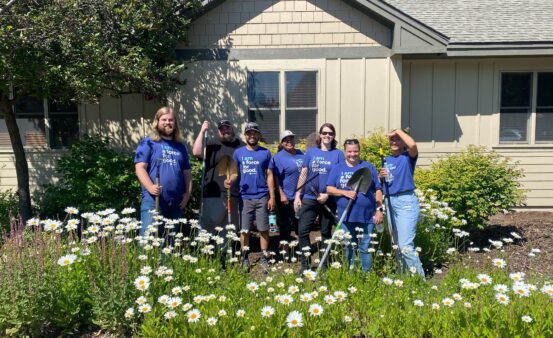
<point>166,131</point>
<point>227,137</point>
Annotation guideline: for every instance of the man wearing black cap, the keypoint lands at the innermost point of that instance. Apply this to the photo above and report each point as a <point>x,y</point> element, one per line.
<point>214,189</point>
<point>257,191</point>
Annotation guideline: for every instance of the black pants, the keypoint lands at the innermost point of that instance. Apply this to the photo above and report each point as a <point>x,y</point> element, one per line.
<point>310,209</point>
<point>287,220</point>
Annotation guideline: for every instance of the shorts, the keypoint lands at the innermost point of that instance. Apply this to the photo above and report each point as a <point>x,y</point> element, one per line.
<point>255,209</point>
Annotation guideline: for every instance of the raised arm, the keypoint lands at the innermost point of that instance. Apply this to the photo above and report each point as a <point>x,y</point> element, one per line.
<point>408,140</point>
<point>198,147</point>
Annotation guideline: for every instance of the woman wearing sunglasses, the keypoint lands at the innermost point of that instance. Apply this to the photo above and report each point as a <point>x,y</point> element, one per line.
<point>399,185</point>
<point>310,200</point>
<point>366,210</point>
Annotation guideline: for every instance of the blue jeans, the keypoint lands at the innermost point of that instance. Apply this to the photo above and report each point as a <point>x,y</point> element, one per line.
<point>364,243</point>
<point>148,203</point>
<point>406,210</point>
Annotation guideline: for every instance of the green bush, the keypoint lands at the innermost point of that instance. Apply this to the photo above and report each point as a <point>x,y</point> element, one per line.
<point>92,176</point>
<point>8,208</point>
<point>371,145</point>
<point>476,183</point>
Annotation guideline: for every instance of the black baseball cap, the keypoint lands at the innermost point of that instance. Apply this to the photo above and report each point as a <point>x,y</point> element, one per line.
<point>252,126</point>
<point>224,123</point>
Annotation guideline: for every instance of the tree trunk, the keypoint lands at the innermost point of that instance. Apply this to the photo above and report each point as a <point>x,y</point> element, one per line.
<point>21,168</point>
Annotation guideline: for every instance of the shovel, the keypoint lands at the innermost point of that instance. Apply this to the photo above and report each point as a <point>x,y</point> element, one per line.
<point>228,168</point>
<point>360,181</point>
<point>389,214</point>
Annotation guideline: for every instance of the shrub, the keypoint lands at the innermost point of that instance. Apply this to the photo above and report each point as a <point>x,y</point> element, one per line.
<point>476,183</point>
<point>370,147</point>
<point>8,208</point>
<point>92,176</point>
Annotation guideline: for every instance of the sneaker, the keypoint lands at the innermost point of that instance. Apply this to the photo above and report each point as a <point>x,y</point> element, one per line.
<point>246,264</point>
<point>264,264</point>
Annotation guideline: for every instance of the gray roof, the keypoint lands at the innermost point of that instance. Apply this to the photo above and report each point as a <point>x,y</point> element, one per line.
<point>484,21</point>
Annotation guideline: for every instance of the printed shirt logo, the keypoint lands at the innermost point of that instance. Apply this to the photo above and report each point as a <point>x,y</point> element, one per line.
<point>249,165</point>
<point>317,166</point>
<point>344,178</point>
<point>169,155</point>
<point>299,163</point>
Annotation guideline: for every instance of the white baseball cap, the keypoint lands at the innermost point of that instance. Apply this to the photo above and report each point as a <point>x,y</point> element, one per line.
<point>285,134</point>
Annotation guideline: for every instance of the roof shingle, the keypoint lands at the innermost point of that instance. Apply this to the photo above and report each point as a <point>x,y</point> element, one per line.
<point>484,21</point>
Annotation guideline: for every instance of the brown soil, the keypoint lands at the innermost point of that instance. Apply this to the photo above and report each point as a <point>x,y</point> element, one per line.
<point>536,230</point>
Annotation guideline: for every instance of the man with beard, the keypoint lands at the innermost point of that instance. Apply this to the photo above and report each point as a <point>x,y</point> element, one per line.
<point>214,187</point>
<point>257,192</point>
<point>163,152</point>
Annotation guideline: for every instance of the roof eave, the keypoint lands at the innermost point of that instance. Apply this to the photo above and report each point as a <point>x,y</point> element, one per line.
<point>506,48</point>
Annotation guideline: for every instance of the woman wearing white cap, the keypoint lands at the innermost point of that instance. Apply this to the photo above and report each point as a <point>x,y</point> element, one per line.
<point>287,164</point>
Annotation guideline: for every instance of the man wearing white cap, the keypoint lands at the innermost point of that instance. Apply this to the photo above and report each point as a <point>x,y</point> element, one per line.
<point>287,165</point>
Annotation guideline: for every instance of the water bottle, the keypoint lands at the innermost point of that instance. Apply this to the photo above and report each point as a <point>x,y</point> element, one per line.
<point>389,177</point>
<point>273,227</point>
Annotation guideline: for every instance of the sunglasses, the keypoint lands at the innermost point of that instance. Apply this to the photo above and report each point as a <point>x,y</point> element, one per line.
<point>351,141</point>
<point>329,133</point>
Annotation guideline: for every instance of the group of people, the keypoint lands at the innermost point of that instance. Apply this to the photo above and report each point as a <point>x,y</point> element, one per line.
<point>300,187</point>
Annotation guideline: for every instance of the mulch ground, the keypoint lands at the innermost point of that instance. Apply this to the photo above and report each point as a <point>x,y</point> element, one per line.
<point>536,230</point>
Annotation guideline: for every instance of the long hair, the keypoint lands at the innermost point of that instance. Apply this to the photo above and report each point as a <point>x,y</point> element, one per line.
<point>318,139</point>
<point>154,133</point>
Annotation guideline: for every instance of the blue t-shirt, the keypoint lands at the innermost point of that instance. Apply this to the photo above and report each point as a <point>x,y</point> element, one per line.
<point>252,168</point>
<point>363,207</point>
<point>402,168</point>
<point>319,162</point>
<point>171,158</point>
<point>287,169</point>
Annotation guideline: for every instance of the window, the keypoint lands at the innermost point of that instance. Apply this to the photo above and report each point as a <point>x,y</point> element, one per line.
<point>526,114</point>
<point>299,94</point>
<point>31,115</point>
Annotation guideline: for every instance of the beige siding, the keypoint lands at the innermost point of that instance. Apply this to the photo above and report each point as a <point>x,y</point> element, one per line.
<point>450,104</point>
<point>363,88</point>
<point>536,163</point>
<point>41,164</point>
<point>282,24</point>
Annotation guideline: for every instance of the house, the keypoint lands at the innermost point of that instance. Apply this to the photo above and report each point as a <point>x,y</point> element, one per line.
<point>457,72</point>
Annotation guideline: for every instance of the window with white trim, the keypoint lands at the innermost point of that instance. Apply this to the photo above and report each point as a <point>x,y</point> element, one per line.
<point>280,100</point>
<point>32,115</point>
<point>526,111</point>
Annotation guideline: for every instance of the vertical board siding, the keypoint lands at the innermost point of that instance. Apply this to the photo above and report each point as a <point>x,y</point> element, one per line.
<point>485,103</point>
<point>420,117</point>
<point>451,104</point>
<point>443,117</point>
<point>376,94</point>
<point>466,102</point>
<point>351,102</point>
<point>333,79</point>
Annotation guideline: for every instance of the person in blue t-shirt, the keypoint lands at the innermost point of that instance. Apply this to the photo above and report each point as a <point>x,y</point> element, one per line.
<point>399,187</point>
<point>257,191</point>
<point>164,152</point>
<point>310,199</point>
<point>366,210</point>
<point>287,165</point>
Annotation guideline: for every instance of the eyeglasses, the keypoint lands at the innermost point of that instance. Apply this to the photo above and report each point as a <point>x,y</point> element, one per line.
<point>329,133</point>
<point>351,141</point>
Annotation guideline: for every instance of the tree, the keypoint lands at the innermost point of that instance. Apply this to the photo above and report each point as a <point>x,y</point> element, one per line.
<point>76,50</point>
